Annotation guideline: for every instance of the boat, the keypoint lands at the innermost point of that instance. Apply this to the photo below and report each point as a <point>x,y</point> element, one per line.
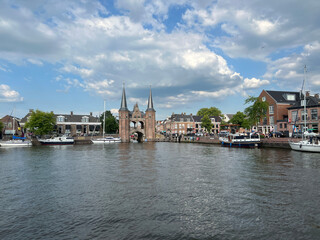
<point>104,139</point>
<point>241,140</point>
<point>16,142</point>
<point>63,140</point>
<point>310,141</point>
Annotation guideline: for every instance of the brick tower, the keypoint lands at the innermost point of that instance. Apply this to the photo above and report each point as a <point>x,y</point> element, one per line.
<point>150,120</point>
<point>124,119</point>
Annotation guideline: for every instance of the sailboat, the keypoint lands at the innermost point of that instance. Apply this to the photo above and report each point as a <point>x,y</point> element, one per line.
<point>104,139</point>
<point>310,141</point>
<point>16,141</point>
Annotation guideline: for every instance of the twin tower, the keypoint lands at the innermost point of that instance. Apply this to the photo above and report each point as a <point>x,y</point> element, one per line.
<point>137,122</point>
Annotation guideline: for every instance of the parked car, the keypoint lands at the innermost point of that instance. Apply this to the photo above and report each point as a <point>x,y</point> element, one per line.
<point>297,135</point>
<point>279,134</point>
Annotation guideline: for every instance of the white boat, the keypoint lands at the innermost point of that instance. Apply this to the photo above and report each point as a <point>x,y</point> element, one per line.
<point>241,140</point>
<point>311,145</point>
<point>16,143</point>
<point>63,140</point>
<point>106,140</point>
<point>310,141</point>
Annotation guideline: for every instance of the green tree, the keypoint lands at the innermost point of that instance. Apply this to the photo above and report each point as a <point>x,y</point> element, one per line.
<point>41,123</point>
<point>111,123</point>
<point>257,111</point>
<point>213,111</point>
<point>241,119</point>
<point>1,126</point>
<point>206,123</point>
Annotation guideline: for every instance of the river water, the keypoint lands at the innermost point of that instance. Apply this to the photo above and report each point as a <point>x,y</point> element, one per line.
<point>158,191</point>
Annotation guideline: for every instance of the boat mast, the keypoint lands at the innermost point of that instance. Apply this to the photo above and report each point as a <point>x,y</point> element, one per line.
<point>104,116</point>
<point>304,101</point>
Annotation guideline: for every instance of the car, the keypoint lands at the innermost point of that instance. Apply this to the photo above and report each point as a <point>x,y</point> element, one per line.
<point>297,135</point>
<point>279,134</point>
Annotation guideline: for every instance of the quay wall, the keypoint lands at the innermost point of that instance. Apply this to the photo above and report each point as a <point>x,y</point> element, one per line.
<point>266,142</point>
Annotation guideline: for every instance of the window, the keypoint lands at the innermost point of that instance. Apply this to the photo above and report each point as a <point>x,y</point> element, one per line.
<point>294,116</point>
<point>263,99</point>
<point>85,119</point>
<point>271,109</point>
<point>304,115</point>
<point>176,126</point>
<point>314,114</point>
<point>285,126</point>
<point>291,97</point>
<point>60,119</point>
<point>280,125</point>
<point>271,120</point>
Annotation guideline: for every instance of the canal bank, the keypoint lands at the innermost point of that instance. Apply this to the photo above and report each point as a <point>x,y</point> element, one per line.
<point>282,143</point>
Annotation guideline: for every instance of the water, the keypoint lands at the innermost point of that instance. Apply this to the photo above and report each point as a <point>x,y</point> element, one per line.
<point>158,191</point>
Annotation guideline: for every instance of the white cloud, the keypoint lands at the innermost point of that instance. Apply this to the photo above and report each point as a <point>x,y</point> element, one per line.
<point>9,95</point>
<point>250,83</point>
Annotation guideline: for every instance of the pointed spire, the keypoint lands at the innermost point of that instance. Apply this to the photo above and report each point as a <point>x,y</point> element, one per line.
<point>123,106</point>
<point>150,102</point>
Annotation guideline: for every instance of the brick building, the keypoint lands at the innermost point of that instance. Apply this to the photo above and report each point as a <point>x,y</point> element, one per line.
<point>277,115</point>
<point>11,126</point>
<point>297,114</point>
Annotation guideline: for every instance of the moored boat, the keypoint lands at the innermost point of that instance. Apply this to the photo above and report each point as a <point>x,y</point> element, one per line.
<point>16,143</point>
<point>63,140</point>
<point>241,140</point>
<point>106,140</point>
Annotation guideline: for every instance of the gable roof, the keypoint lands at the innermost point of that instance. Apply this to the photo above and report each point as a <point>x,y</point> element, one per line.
<point>282,96</point>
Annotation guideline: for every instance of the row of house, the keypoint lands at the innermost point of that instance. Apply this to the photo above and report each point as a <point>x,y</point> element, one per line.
<point>285,114</point>
<point>70,124</point>
<point>183,123</point>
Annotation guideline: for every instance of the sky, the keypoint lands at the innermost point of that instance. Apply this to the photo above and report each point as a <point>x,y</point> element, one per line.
<point>72,55</point>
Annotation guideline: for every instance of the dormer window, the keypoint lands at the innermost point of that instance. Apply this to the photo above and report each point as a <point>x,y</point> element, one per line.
<point>60,119</point>
<point>85,119</point>
<point>290,97</point>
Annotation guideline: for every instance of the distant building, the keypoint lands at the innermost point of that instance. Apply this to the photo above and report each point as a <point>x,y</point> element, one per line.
<point>227,117</point>
<point>185,124</point>
<point>72,124</point>
<point>297,114</point>
<point>277,114</point>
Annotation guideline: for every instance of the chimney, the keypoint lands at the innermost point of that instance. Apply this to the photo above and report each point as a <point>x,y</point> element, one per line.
<point>71,113</point>
<point>90,113</point>
<point>307,93</point>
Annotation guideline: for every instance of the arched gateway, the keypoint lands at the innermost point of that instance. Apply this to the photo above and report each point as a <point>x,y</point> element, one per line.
<point>138,123</point>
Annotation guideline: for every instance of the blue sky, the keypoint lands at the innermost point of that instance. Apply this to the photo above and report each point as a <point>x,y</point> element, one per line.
<point>70,55</point>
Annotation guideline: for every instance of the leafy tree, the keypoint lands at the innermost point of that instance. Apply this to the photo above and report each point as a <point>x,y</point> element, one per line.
<point>241,119</point>
<point>41,123</point>
<point>1,126</point>
<point>111,124</point>
<point>206,123</point>
<point>213,111</point>
<point>257,111</point>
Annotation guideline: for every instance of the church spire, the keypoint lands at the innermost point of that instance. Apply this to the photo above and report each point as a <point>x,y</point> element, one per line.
<point>150,102</point>
<point>123,101</point>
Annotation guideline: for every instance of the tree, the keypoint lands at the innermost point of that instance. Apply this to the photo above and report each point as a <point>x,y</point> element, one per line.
<point>206,123</point>
<point>41,123</point>
<point>213,111</point>
<point>111,124</point>
<point>1,126</point>
<point>241,119</point>
<point>257,111</point>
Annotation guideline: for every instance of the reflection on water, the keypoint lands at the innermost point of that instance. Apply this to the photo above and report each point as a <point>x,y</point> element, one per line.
<point>158,191</point>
